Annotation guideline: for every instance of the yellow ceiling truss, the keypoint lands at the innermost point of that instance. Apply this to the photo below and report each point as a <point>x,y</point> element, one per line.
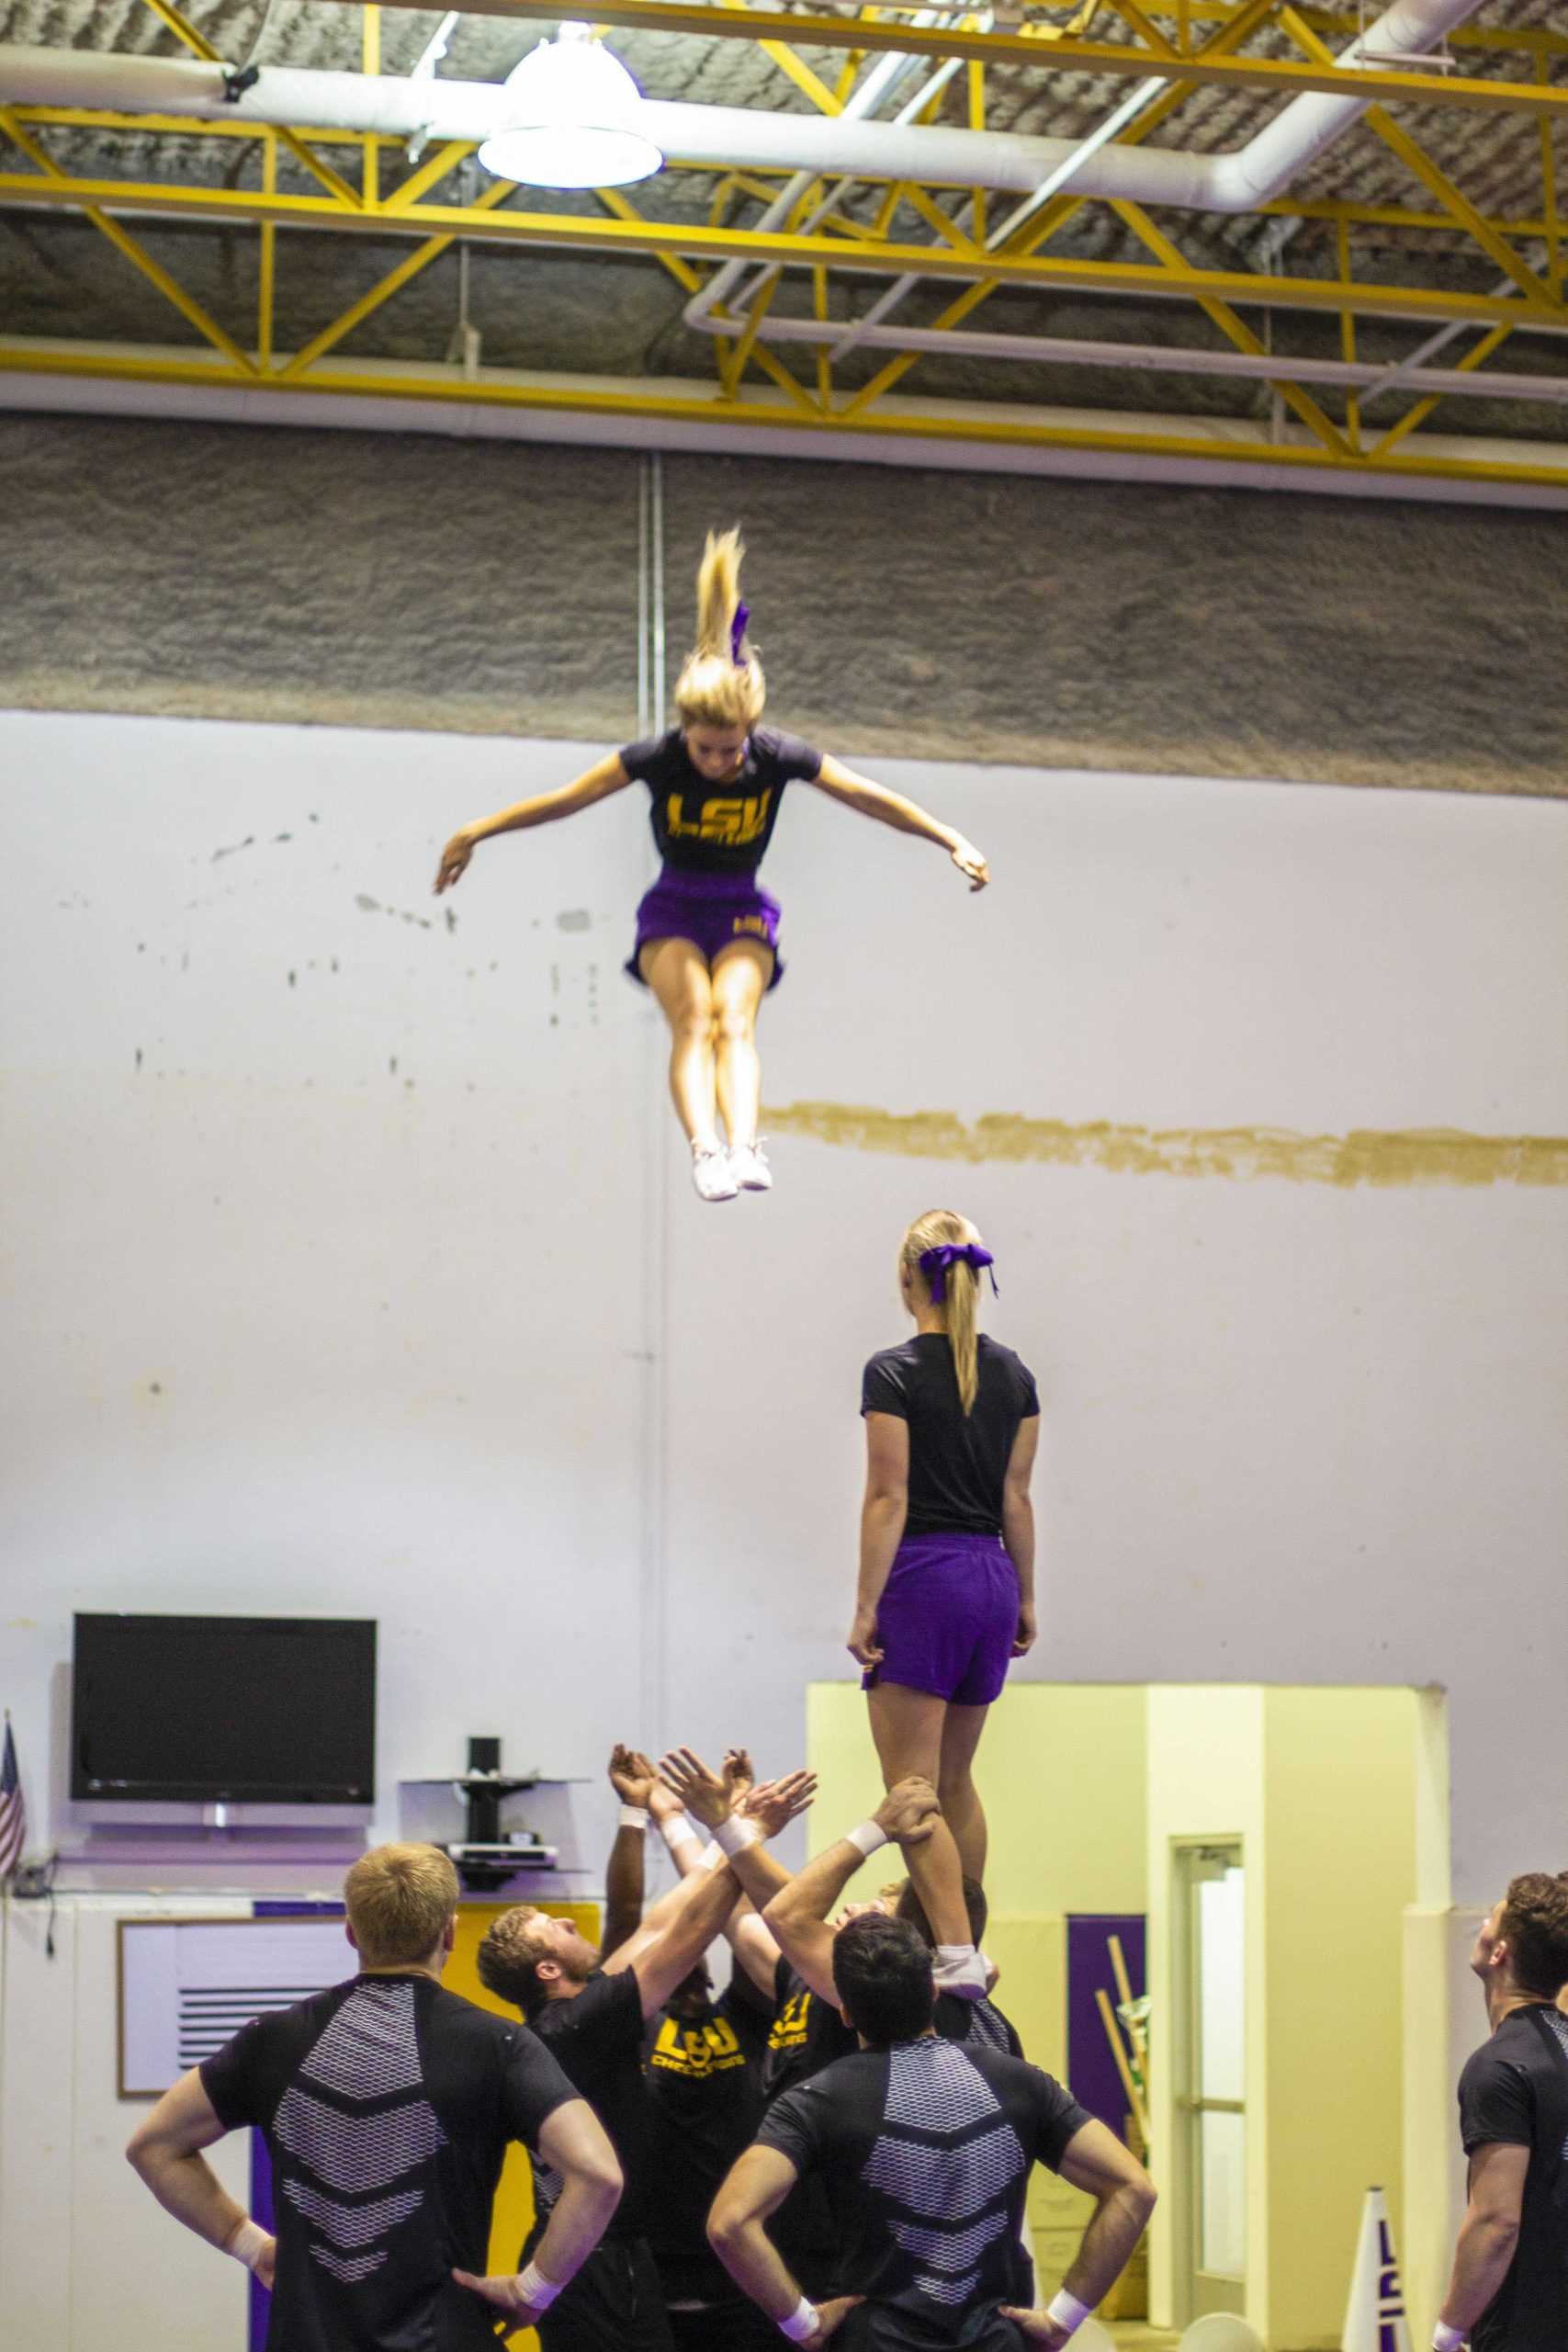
<point>834,260</point>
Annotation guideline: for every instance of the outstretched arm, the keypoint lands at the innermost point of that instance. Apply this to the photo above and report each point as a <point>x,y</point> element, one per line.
<point>708,1798</point>
<point>869,800</point>
<point>661,1952</point>
<point>166,2149</point>
<point>595,784</point>
<point>1096,2162</point>
<point>797,1915</point>
<point>574,2143</point>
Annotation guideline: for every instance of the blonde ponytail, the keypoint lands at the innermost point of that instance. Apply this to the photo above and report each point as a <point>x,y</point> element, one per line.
<point>721,684</point>
<point>959,1307</point>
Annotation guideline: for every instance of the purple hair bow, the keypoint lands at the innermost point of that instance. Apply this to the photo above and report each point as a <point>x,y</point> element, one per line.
<point>934,1264</point>
<point>737,635</point>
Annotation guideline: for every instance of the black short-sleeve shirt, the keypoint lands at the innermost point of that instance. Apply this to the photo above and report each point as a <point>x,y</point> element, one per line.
<point>957,1461</point>
<point>1514,2090</point>
<point>596,2038</point>
<point>703,827</point>
<point>925,2150</point>
<point>706,2099</point>
<point>388,2105</point>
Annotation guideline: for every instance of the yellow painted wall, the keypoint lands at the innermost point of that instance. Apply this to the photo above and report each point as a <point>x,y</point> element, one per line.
<point>1340,1780</point>
<point>512,2216</point>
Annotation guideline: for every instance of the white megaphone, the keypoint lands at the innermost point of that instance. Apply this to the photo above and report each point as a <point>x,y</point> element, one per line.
<point>1374,2318</point>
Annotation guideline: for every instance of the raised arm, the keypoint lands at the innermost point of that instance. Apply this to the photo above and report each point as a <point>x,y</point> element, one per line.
<point>763,1810</point>
<point>797,1915</point>
<point>596,782</point>
<point>574,2143</point>
<point>869,800</point>
<point>1096,2162</point>
<point>1017,1527</point>
<point>663,1950</point>
<point>631,1777</point>
<point>882,1517</point>
<point>166,2149</point>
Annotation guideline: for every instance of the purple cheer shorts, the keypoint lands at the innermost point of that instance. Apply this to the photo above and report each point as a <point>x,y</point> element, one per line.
<point>713,910</point>
<point>947,1617</point>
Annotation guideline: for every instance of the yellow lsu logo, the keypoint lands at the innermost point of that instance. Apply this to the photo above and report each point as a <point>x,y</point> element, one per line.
<point>696,2049</point>
<point>733,822</point>
<point>790,2026</point>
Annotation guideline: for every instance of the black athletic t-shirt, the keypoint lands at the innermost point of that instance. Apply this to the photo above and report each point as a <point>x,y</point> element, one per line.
<point>957,1461</point>
<point>387,2106</point>
<point>596,2037</point>
<point>706,2100</point>
<point>1514,2090</point>
<point>703,827</point>
<point>925,2150</point>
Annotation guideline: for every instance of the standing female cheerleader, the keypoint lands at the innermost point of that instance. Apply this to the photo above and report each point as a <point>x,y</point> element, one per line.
<point>946,1595</point>
<point>706,936</point>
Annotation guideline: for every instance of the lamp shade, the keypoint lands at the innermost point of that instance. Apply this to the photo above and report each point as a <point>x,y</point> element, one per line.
<point>571,119</point>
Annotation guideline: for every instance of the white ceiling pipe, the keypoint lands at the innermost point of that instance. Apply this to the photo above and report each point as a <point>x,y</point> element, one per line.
<point>1179,359</point>
<point>724,136</point>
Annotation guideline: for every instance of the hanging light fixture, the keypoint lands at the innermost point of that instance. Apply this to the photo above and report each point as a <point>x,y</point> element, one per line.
<point>571,119</point>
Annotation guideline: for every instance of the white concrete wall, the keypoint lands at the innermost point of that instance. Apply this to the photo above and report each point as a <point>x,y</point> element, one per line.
<point>453,1344</point>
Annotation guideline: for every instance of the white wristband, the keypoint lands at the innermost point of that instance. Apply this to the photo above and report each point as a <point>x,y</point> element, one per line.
<point>1067,2311</point>
<point>801,2323</point>
<point>868,1836</point>
<point>1446,2338</point>
<point>247,2242</point>
<point>537,2292</point>
<point>712,1856</point>
<point>734,1834</point>
<point>634,1817</point>
<point>676,1830</point>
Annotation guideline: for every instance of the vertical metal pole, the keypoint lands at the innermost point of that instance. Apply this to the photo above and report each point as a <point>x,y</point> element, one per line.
<point>656,546</point>
<point>642,600</point>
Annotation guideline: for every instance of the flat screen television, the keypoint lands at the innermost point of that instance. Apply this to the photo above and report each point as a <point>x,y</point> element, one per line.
<point>208,1709</point>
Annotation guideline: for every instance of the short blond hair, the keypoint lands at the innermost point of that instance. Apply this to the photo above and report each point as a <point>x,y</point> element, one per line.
<point>399,1899</point>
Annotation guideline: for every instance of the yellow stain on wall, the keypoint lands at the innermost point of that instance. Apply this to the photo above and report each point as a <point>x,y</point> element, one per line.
<point>1394,1156</point>
<point>512,2216</point>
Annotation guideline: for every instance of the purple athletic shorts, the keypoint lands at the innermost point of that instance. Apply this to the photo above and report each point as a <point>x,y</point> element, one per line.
<point>947,1617</point>
<point>712,911</point>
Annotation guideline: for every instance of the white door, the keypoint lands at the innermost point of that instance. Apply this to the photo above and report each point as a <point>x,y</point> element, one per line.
<point>1209,2073</point>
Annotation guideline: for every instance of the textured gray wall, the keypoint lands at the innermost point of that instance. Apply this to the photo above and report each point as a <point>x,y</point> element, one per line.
<point>491,587</point>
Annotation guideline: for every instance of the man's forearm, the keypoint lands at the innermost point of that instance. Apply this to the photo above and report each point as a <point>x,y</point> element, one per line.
<point>752,2260</point>
<point>187,2187</point>
<point>1118,2223</point>
<point>1485,2249</point>
<point>623,1888</point>
<point>580,2217</point>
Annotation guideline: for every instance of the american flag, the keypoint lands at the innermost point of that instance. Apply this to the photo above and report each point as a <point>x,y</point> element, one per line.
<point>13,1808</point>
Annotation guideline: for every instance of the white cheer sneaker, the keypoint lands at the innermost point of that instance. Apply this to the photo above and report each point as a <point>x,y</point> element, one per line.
<point>749,1166</point>
<point>712,1177</point>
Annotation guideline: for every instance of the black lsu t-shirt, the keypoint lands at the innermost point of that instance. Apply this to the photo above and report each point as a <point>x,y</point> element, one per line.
<point>596,2037</point>
<point>1514,2090</point>
<point>706,2099</point>
<point>957,1461</point>
<point>925,2150</point>
<point>702,828</point>
<point>387,2106</point>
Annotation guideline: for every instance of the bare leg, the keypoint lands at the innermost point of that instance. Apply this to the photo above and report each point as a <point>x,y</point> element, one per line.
<point>962,1809</point>
<point>907,1726</point>
<point>676,970</point>
<point>741,975</point>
